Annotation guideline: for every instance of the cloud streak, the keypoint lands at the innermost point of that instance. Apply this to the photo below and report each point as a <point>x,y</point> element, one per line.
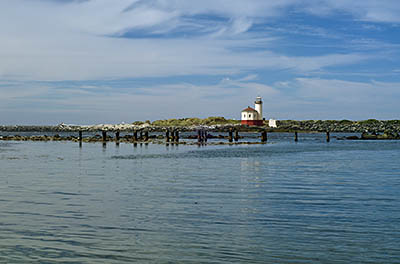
<point>81,40</point>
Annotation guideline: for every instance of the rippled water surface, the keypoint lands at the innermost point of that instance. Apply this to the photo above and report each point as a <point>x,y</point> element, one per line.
<point>283,202</point>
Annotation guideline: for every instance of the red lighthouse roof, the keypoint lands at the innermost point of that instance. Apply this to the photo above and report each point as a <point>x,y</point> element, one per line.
<point>249,109</point>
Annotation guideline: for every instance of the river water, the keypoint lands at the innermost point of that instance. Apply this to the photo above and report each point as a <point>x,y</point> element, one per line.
<point>283,202</point>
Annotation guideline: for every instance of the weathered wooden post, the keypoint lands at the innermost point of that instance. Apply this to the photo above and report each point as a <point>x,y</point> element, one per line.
<point>167,135</point>
<point>141,134</point>
<point>117,136</point>
<point>296,137</point>
<point>236,135</point>
<point>80,138</point>
<point>135,138</point>
<point>177,136</point>
<point>230,137</point>
<point>104,133</point>
<point>173,135</point>
<point>146,135</point>
<point>264,136</point>
<point>328,136</point>
<point>205,135</point>
<point>199,136</point>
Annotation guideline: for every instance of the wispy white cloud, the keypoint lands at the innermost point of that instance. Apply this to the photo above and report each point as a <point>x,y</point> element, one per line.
<point>72,41</point>
<point>367,10</point>
<point>333,98</point>
<point>302,98</point>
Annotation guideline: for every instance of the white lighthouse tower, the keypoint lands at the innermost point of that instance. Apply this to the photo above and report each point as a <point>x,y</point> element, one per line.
<point>258,107</point>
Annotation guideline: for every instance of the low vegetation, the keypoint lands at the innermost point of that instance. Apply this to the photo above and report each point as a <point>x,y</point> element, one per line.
<point>194,121</point>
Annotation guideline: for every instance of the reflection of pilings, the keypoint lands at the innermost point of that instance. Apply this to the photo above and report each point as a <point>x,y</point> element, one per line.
<point>296,137</point>
<point>264,136</point>
<point>230,137</point>
<point>236,135</point>
<point>328,136</point>
<point>104,133</point>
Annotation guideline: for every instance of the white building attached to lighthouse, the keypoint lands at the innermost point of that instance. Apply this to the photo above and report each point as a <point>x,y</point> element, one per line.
<point>253,116</point>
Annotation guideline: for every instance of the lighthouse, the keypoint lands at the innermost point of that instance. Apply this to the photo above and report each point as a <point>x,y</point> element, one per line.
<point>258,107</point>
<point>253,116</point>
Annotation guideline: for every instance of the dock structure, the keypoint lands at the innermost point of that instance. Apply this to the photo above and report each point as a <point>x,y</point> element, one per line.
<point>167,136</point>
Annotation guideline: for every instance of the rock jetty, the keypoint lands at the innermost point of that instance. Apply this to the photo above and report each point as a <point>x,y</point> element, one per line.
<point>374,136</point>
<point>224,125</point>
<point>339,126</point>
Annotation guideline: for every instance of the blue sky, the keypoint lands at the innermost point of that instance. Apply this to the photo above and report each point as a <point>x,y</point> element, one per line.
<point>112,61</point>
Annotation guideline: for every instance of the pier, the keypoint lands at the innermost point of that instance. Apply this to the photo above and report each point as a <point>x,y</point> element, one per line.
<point>200,136</point>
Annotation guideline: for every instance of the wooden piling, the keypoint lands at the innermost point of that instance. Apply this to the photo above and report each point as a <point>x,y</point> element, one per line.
<point>328,136</point>
<point>264,136</point>
<point>135,137</point>
<point>296,137</point>
<point>173,135</point>
<point>141,134</point>
<point>146,135</point>
<point>104,133</point>
<point>230,137</point>
<point>167,136</point>
<point>117,136</point>
<point>205,135</point>
<point>199,136</point>
<point>236,135</point>
<point>80,136</point>
<point>177,136</point>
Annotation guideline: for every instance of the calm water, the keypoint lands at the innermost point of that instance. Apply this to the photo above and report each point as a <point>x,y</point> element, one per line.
<point>284,202</point>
